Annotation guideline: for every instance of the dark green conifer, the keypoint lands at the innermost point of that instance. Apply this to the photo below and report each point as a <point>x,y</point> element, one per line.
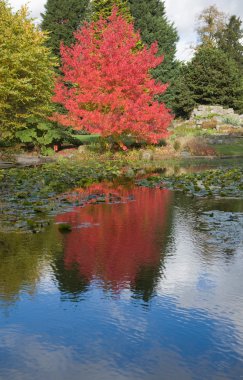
<point>230,40</point>
<point>183,97</point>
<point>150,19</point>
<point>61,19</point>
<point>212,77</point>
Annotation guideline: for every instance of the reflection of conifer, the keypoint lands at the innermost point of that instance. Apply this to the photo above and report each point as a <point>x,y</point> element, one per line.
<point>145,283</point>
<point>149,276</point>
<point>70,281</point>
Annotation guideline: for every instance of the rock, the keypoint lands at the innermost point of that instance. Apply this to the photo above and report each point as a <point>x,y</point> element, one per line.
<point>185,154</point>
<point>24,160</point>
<point>141,172</point>
<point>82,149</point>
<point>229,111</point>
<point>6,165</point>
<point>129,173</point>
<point>147,155</point>
<point>218,119</point>
<point>205,113</point>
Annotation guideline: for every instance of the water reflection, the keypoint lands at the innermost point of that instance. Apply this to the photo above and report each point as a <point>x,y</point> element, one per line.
<point>120,242</point>
<point>137,291</point>
<point>23,259</point>
<point>216,224</point>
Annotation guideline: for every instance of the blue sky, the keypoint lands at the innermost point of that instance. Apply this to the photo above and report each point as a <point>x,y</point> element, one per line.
<point>182,12</point>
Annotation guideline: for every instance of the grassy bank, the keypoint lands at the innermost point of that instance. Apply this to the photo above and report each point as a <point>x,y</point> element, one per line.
<point>232,149</point>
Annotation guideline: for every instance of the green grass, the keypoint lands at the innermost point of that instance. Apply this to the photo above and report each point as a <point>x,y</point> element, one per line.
<point>189,131</point>
<point>233,149</point>
<point>87,139</point>
<point>90,139</point>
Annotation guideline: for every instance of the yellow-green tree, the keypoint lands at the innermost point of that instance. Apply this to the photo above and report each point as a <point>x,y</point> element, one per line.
<point>103,8</point>
<point>210,24</point>
<point>26,72</point>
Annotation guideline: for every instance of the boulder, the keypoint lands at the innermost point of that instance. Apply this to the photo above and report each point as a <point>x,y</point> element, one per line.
<point>147,155</point>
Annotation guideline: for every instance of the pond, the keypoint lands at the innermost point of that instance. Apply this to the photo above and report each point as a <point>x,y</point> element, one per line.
<point>147,285</point>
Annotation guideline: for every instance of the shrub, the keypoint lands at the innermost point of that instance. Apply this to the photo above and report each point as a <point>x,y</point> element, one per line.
<point>232,120</point>
<point>209,124</point>
<point>198,147</point>
<point>177,145</point>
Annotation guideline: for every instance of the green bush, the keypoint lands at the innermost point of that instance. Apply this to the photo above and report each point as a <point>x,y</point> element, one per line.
<point>232,120</point>
<point>41,134</point>
<point>176,145</point>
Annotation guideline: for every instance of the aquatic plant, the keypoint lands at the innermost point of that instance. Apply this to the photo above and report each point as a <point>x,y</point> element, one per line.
<point>212,183</point>
<point>30,195</point>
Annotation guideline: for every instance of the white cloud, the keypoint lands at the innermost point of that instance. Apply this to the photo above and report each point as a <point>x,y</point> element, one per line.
<point>192,277</point>
<point>36,7</point>
<point>182,12</point>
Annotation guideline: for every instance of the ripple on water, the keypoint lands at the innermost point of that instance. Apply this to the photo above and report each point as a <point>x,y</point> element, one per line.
<point>136,290</point>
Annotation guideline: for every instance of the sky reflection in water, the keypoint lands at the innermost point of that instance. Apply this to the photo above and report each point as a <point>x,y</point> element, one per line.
<point>140,289</point>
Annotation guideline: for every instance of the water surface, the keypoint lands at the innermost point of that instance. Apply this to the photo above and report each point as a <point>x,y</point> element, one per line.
<point>147,285</point>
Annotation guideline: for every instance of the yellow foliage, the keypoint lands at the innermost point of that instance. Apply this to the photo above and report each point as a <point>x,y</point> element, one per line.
<point>26,71</point>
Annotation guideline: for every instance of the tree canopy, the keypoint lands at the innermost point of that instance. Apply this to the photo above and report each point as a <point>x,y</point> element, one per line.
<point>26,71</point>
<point>212,77</point>
<point>150,19</point>
<point>107,98</point>
<point>210,24</point>
<point>103,8</point>
<point>215,74</point>
<point>61,19</point>
<point>230,40</point>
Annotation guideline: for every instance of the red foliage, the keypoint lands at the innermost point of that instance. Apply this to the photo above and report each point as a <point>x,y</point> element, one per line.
<point>112,242</point>
<point>106,86</point>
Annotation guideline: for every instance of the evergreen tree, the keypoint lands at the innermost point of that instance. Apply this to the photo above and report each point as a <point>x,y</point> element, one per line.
<point>61,19</point>
<point>150,19</point>
<point>212,77</point>
<point>183,97</point>
<point>103,8</point>
<point>230,40</point>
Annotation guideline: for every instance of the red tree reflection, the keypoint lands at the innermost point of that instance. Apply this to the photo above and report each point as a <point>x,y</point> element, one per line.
<point>111,242</point>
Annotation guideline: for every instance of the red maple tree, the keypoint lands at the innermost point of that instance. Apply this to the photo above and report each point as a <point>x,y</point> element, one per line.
<point>106,86</point>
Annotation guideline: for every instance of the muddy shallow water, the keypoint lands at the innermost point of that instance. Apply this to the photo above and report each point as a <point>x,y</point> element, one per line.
<point>147,285</point>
